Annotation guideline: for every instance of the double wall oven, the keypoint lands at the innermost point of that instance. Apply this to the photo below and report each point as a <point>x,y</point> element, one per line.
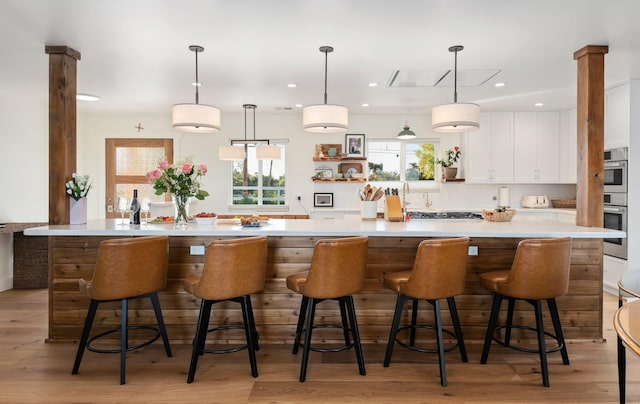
<point>615,200</point>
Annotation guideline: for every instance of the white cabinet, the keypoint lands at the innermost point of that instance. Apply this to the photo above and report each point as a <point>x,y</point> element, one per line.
<point>536,147</point>
<point>617,117</point>
<point>569,146</point>
<point>490,149</point>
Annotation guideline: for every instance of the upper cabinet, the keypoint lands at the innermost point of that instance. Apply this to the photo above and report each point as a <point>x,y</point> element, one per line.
<point>617,117</point>
<point>569,146</point>
<point>537,147</point>
<point>490,149</point>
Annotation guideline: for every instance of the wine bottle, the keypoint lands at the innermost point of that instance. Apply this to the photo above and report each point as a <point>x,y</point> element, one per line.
<point>134,208</point>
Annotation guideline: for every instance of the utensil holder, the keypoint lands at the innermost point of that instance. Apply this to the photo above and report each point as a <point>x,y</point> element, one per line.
<point>369,210</point>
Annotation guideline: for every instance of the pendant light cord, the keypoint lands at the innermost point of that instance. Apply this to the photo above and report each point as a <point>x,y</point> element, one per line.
<point>197,82</point>
<point>326,55</point>
<point>455,78</point>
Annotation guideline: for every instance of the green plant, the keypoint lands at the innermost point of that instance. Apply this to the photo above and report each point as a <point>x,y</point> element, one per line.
<point>182,180</point>
<point>451,157</point>
<point>78,187</point>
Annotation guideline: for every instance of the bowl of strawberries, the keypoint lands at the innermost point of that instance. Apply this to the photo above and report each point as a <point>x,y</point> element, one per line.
<point>205,218</point>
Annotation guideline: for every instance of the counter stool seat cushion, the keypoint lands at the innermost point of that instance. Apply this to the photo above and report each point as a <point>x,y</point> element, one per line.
<point>295,281</point>
<point>490,280</point>
<point>394,280</point>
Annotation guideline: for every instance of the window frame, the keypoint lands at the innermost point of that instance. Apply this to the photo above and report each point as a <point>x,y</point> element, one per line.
<point>403,163</point>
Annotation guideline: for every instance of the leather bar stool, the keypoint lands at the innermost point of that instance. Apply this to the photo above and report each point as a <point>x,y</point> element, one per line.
<point>439,272</point>
<point>126,269</point>
<point>628,288</point>
<point>540,271</point>
<point>337,272</point>
<point>233,270</point>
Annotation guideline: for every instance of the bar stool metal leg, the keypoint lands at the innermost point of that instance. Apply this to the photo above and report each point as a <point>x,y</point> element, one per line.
<point>163,330</point>
<point>201,336</point>
<point>91,314</point>
<point>307,338</point>
<point>245,304</point>
<point>493,320</point>
<point>301,317</point>
<point>509,323</point>
<point>414,321</point>
<point>555,318</point>
<point>440,343</point>
<point>254,331</point>
<point>394,329</point>
<point>345,323</point>
<point>356,334</point>
<point>123,339</point>
<point>541,343</point>
<point>451,301</point>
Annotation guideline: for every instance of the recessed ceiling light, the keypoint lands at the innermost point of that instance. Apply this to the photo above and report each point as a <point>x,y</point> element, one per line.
<point>365,105</point>
<point>86,97</point>
<point>499,84</point>
<point>292,85</point>
<point>298,105</point>
<point>373,84</point>
<point>538,104</point>
<point>196,84</point>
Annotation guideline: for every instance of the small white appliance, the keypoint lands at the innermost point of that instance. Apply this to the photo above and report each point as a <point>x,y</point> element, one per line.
<point>534,201</point>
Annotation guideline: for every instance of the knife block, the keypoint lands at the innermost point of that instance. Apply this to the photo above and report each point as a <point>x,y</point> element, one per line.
<point>392,208</point>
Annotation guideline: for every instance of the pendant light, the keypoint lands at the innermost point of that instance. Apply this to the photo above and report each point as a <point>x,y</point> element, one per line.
<point>264,150</point>
<point>455,117</point>
<point>196,117</point>
<point>406,133</point>
<point>325,118</point>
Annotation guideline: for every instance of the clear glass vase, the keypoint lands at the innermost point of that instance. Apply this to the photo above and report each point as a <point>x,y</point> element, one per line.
<point>180,209</point>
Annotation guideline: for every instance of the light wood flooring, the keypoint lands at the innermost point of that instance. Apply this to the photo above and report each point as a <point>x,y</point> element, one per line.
<point>33,371</point>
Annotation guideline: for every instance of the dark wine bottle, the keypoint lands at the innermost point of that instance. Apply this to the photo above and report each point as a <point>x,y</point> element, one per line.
<point>134,216</point>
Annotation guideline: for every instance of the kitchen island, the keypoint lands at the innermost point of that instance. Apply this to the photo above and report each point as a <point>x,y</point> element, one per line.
<point>392,247</point>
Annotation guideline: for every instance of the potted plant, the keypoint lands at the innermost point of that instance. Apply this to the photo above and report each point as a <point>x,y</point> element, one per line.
<point>451,157</point>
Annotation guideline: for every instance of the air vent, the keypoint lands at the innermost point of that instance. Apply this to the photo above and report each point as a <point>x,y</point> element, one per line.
<point>284,108</point>
<point>440,78</point>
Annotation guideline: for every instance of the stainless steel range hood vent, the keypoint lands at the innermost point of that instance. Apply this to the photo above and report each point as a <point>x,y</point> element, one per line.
<point>440,78</point>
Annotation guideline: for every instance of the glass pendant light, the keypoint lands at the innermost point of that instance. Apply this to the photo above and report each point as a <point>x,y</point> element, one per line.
<point>455,117</point>
<point>196,117</point>
<point>325,118</point>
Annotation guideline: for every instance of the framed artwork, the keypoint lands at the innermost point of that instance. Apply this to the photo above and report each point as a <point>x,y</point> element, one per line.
<point>323,173</point>
<point>354,145</point>
<point>324,199</point>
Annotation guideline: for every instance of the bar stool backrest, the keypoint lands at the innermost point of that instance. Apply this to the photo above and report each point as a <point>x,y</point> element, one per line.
<point>233,268</point>
<point>629,284</point>
<point>540,269</point>
<point>337,268</point>
<point>439,270</point>
<point>129,267</point>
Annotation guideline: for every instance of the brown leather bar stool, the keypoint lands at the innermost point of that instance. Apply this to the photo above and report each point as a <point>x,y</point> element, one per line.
<point>540,271</point>
<point>439,272</point>
<point>337,272</point>
<point>126,269</point>
<point>233,270</point>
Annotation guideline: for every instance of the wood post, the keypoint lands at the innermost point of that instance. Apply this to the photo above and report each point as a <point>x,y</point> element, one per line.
<point>590,189</point>
<point>62,128</point>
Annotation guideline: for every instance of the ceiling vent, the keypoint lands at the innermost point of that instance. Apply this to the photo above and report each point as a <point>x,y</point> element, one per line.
<point>440,78</point>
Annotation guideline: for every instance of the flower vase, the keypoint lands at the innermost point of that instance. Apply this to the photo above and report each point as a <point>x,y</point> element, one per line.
<point>450,172</point>
<point>180,209</point>
<point>78,211</point>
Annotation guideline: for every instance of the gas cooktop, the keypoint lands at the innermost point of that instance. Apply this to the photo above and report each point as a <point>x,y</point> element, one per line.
<point>444,215</point>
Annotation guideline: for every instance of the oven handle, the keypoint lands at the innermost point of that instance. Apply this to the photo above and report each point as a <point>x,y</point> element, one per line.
<point>610,164</point>
<point>613,210</point>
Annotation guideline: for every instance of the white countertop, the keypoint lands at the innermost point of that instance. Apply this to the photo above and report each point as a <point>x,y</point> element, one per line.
<point>519,227</point>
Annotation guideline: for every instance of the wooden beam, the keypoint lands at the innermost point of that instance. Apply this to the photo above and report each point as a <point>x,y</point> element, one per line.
<point>62,128</point>
<point>590,188</point>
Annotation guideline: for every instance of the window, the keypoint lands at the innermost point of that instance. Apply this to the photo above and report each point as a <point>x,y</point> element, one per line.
<point>127,162</point>
<point>395,160</point>
<point>258,182</point>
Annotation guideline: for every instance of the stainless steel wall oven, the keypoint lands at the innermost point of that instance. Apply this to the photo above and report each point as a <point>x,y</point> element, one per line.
<point>615,200</point>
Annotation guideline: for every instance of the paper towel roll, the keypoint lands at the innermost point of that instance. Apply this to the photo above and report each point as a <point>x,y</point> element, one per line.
<point>503,197</point>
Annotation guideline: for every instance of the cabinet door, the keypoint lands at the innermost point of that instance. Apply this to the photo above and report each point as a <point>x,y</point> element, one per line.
<point>617,117</point>
<point>479,151</point>
<point>502,146</point>
<point>569,147</point>
<point>525,147</point>
<point>548,147</point>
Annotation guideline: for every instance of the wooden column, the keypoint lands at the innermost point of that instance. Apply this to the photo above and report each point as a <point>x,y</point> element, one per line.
<point>590,190</point>
<point>62,128</point>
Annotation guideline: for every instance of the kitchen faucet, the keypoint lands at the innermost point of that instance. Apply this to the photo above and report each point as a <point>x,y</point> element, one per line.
<point>405,191</point>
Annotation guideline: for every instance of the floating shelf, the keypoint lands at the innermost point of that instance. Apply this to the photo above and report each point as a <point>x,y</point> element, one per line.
<point>339,179</point>
<point>453,180</point>
<point>337,158</point>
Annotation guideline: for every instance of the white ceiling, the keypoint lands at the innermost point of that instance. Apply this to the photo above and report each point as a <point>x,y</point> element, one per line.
<point>135,52</point>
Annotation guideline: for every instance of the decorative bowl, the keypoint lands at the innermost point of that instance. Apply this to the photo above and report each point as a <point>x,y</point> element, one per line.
<point>205,220</point>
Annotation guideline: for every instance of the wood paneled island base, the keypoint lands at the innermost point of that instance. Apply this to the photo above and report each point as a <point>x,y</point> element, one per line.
<point>276,308</point>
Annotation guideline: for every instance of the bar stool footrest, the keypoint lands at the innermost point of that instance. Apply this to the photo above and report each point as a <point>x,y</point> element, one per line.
<point>521,349</point>
<point>131,348</point>
<point>429,327</point>
<point>324,350</point>
<point>229,350</point>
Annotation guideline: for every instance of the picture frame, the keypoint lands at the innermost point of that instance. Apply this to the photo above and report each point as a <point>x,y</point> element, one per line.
<point>323,199</point>
<point>324,172</point>
<point>354,144</point>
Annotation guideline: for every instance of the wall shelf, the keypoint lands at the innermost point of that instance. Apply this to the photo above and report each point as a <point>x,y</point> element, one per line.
<point>337,158</point>
<point>453,180</point>
<point>339,179</point>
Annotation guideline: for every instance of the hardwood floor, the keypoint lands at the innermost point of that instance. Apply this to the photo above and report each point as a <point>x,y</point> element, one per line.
<point>34,371</point>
